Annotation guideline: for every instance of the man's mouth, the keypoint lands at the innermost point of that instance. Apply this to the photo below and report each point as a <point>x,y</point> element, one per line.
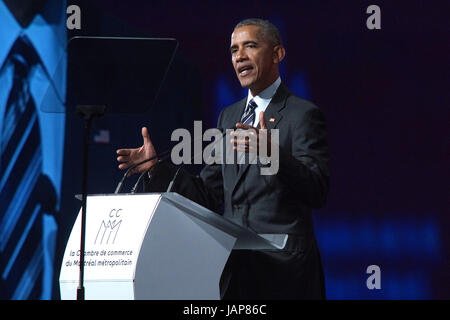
<point>244,70</point>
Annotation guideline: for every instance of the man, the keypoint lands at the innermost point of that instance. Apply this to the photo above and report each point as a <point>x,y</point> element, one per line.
<point>32,76</point>
<point>274,204</point>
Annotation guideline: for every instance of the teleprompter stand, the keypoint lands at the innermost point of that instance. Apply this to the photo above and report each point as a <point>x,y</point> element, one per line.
<point>88,112</point>
<point>115,76</point>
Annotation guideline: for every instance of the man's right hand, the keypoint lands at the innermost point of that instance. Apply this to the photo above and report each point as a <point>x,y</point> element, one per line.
<point>129,157</point>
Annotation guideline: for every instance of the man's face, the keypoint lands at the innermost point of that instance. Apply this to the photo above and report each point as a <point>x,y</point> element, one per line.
<point>253,59</point>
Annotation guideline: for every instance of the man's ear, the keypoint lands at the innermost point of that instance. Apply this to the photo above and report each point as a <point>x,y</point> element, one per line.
<point>278,53</point>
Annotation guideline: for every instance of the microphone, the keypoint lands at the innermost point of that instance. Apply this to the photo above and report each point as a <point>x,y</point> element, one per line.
<point>169,188</point>
<point>161,159</point>
<point>120,184</point>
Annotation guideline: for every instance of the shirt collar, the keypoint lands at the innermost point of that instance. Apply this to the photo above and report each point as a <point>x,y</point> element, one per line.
<point>48,38</point>
<point>266,95</point>
<point>9,32</point>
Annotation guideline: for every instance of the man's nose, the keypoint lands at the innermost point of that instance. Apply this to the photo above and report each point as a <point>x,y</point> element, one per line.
<point>240,55</point>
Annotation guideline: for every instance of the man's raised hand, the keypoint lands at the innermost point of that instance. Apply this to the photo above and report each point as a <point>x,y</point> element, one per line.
<point>129,157</point>
<point>250,139</point>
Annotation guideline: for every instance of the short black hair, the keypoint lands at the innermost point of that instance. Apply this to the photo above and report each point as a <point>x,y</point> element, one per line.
<point>268,30</point>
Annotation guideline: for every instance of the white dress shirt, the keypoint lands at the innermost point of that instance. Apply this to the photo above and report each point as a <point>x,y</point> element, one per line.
<point>263,98</point>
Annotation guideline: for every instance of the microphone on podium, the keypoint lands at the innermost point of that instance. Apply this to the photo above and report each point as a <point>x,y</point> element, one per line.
<point>161,159</point>
<point>162,155</point>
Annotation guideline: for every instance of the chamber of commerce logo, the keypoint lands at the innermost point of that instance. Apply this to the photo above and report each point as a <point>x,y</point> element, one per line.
<point>109,228</point>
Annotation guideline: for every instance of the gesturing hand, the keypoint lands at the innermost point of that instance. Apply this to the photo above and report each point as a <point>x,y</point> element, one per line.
<point>129,157</point>
<point>243,140</point>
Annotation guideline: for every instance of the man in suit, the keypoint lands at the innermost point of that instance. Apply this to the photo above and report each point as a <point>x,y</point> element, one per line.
<point>267,204</point>
<point>32,76</point>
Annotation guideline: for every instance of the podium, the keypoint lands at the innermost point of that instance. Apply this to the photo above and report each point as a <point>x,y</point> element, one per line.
<point>153,246</point>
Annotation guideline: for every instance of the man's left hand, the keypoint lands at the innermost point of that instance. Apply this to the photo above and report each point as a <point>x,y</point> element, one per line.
<point>250,139</point>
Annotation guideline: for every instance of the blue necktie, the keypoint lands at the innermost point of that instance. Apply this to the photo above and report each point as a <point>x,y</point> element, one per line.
<point>23,189</point>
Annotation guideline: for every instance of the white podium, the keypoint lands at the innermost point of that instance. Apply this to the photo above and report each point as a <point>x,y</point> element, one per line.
<point>153,246</point>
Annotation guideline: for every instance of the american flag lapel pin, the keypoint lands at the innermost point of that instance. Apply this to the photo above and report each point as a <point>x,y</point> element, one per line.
<point>272,119</point>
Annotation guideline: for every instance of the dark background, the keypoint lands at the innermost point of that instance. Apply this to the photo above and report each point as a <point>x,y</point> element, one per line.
<point>385,96</point>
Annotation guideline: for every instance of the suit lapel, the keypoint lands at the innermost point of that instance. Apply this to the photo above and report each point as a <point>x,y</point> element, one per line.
<point>272,116</point>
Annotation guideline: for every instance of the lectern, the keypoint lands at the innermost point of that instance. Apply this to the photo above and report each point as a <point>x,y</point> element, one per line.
<point>153,246</point>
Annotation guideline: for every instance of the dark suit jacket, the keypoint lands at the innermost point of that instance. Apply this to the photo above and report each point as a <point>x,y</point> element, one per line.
<point>279,203</point>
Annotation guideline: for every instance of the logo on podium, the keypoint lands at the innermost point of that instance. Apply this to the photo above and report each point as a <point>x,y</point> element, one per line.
<point>107,232</point>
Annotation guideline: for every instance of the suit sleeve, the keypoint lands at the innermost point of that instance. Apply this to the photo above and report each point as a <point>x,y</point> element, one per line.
<point>306,169</point>
<point>205,189</point>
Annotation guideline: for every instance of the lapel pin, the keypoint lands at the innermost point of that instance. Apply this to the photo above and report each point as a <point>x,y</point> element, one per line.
<point>272,120</point>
